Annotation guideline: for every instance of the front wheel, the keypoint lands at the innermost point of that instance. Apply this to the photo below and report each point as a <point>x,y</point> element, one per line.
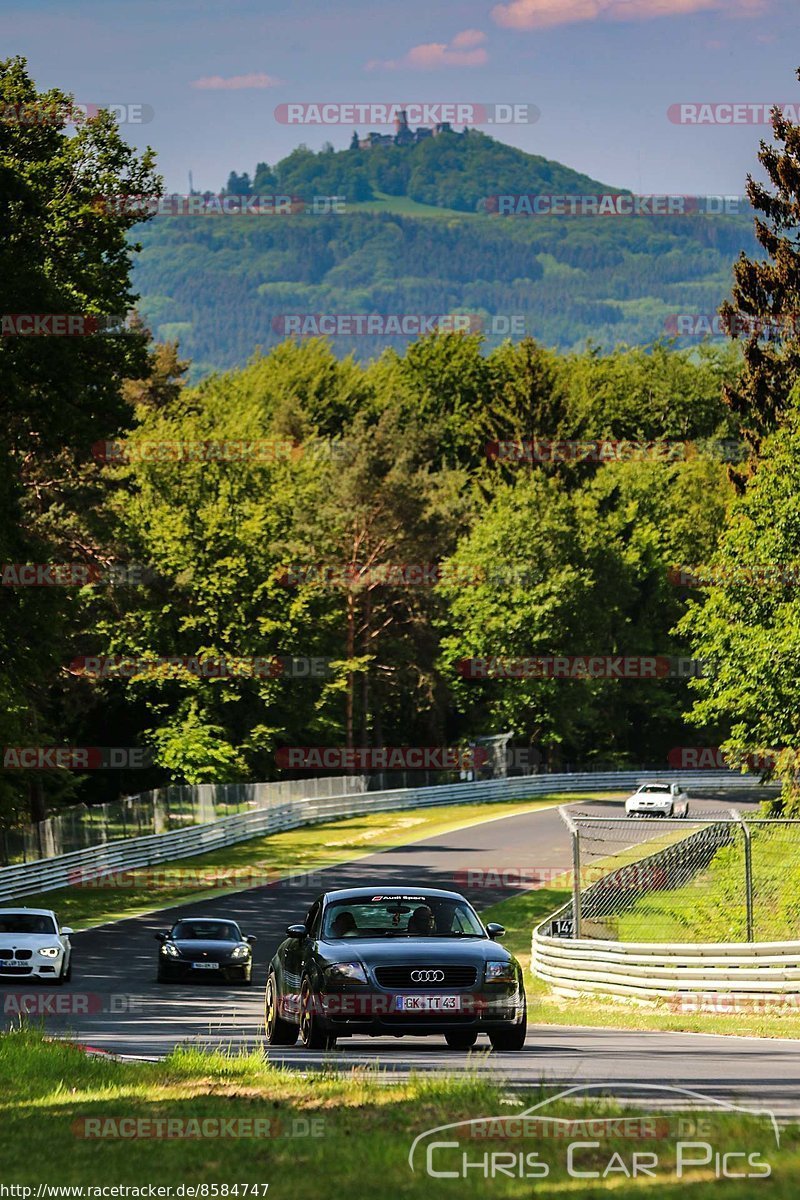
<point>312,1035</point>
<point>513,1036</point>
<point>279,1032</point>
<point>461,1039</point>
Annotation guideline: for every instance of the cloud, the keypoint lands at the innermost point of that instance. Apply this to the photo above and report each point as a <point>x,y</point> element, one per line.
<point>468,37</point>
<point>544,14</point>
<point>463,50</point>
<point>235,83</point>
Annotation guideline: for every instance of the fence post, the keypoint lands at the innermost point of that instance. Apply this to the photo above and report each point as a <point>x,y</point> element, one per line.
<point>748,870</point>
<point>566,817</point>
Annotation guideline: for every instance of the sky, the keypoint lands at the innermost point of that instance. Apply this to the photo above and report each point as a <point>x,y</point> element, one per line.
<point>210,77</point>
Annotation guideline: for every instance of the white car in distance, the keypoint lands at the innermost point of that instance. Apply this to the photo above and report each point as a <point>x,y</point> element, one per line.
<point>658,800</point>
<point>32,946</point>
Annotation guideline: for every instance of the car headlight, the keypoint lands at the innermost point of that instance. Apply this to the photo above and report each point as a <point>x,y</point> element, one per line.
<point>346,972</point>
<point>50,951</point>
<point>500,972</point>
<point>240,952</point>
<point>170,950</point>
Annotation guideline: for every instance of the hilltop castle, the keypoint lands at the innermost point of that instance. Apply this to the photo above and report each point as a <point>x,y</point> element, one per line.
<point>404,135</point>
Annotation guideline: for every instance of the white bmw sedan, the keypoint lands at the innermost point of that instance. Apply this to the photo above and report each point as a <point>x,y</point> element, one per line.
<point>658,800</point>
<point>33,947</point>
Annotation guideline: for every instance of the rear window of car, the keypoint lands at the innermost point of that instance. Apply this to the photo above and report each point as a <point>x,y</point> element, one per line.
<point>400,916</point>
<point>27,923</point>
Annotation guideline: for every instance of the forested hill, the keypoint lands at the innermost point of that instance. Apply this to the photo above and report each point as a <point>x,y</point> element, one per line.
<point>415,238</point>
<point>453,171</point>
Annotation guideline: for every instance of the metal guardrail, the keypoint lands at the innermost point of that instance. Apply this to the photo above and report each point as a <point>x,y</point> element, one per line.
<point>160,811</point>
<point>652,972</point>
<point>744,973</point>
<point>116,856</point>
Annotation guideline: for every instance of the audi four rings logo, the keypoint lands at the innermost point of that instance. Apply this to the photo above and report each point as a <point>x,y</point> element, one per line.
<point>427,976</point>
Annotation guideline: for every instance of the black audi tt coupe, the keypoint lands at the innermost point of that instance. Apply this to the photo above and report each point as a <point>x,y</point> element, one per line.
<point>392,962</point>
<point>205,946</point>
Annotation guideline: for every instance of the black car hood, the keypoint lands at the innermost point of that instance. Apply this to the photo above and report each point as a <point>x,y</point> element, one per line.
<point>393,951</point>
<point>197,946</point>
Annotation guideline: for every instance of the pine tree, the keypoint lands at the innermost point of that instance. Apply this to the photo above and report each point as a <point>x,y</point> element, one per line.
<point>766,294</point>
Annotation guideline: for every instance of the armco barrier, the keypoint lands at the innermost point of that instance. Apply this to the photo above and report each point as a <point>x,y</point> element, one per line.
<point>734,975</point>
<point>51,873</point>
<point>651,972</point>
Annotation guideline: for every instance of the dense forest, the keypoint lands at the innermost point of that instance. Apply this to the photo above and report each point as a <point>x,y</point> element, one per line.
<point>388,521</point>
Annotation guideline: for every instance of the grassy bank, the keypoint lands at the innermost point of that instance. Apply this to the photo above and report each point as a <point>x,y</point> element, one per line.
<point>521,913</point>
<point>325,1134</point>
<point>711,907</point>
<point>267,859</point>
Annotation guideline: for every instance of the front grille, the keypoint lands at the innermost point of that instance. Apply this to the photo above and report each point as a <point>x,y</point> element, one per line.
<point>400,977</point>
<point>23,955</point>
<point>7,953</point>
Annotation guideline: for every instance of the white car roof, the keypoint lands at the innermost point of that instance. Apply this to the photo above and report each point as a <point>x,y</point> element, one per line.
<point>34,912</point>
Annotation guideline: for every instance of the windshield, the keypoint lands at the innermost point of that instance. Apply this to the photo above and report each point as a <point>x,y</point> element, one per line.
<point>400,916</point>
<point>207,931</point>
<point>26,923</point>
<point>660,789</point>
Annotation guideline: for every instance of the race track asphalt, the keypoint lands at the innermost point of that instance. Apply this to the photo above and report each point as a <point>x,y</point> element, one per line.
<point>117,1006</point>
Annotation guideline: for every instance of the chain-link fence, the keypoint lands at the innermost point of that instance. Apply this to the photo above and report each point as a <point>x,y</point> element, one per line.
<point>719,877</point>
<point>159,811</point>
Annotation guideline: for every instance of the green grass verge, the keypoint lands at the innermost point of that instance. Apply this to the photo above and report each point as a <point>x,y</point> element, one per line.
<point>268,858</point>
<point>521,913</point>
<point>52,1095</point>
<point>712,908</point>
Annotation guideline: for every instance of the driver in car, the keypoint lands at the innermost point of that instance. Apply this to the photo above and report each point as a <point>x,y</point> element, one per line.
<point>421,920</point>
<point>344,924</point>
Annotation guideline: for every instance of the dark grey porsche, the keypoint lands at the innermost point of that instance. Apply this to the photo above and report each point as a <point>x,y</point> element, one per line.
<point>197,947</point>
<point>392,962</point>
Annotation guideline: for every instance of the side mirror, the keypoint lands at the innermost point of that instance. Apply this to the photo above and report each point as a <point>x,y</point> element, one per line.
<point>251,941</point>
<point>67,931</point>
<point>495,931</point>
<point>160,937</point>
<point>296,931</point>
